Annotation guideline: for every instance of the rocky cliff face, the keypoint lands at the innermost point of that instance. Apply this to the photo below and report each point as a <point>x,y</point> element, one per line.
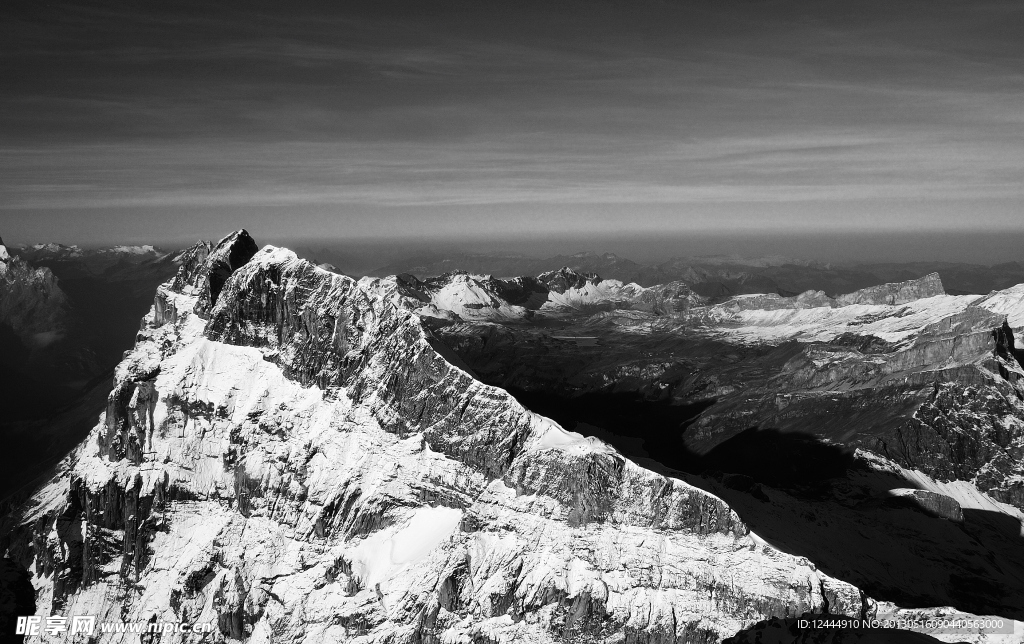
<point>883,294</point>
<point>896,293</point>
<point>290,456</point>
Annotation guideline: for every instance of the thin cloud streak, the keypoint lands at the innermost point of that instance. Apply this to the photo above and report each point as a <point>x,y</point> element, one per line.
<point>771,169</point>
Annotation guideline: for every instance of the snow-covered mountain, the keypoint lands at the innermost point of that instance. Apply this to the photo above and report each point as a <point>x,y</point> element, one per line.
<point>512,265</point>
<point>723,276</point>
<point>564,293</point>
<point>294,456</point>
<point>54,252</point>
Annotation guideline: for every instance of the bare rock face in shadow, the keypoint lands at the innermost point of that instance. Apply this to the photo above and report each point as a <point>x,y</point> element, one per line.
<point>230,254</point>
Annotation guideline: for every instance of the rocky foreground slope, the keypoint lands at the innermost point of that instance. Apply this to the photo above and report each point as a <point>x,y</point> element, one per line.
<point>292,457</point>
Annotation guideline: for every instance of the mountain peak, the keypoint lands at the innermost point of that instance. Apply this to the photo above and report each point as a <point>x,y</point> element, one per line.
<point>230,254</point>
<point>566,278</point>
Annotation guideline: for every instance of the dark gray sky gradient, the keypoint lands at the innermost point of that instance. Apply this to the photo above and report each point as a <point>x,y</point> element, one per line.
<point>168,121</point>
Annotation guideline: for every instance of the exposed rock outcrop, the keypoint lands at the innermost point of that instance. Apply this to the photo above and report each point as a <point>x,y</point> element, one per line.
<point>928,501</point>
<point>884,294</point>
<point>895,293</point>
<point>223,259</point>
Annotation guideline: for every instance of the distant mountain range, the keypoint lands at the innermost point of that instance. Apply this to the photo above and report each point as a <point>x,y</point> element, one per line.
<point>722,276</point>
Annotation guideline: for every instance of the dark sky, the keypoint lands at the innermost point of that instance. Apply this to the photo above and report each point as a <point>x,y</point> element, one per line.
<point>157,121</point>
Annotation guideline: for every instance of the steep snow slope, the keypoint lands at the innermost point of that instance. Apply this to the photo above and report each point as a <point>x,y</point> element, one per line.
<point>1008,302</point>
<point>289,457</point>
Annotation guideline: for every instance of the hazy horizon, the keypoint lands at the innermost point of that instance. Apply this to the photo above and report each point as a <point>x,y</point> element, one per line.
<point>364,255</point>
<point>976,248</point>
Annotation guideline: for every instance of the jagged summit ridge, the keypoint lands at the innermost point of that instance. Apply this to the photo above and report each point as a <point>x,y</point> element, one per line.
<point>230,254</point>
<point>300,463</point>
